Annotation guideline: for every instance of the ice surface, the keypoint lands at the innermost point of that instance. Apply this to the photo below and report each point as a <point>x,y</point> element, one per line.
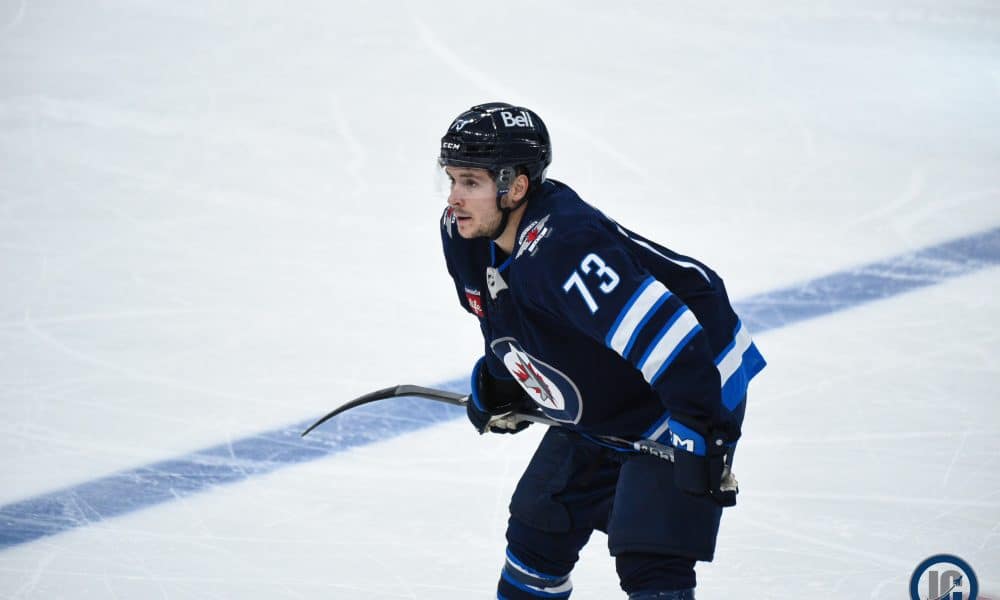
<point>218,222</point>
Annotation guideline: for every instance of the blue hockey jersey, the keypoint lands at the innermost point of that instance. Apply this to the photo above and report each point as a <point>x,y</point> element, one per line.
<point>607,331</point>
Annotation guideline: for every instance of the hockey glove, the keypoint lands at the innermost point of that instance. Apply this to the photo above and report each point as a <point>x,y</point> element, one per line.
<point>701,461</point>
<point>493,402</point>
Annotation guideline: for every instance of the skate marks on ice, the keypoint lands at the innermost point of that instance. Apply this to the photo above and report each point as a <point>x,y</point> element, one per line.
<point>238,460</point>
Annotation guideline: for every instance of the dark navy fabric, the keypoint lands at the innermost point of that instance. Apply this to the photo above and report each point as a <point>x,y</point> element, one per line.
<point>538,563</point>
<point>606,330</point>
<point>650,574</point>
<point>651,514</point>
<point>567,486</point>
<point>612,335</point>
<point>572,486</point>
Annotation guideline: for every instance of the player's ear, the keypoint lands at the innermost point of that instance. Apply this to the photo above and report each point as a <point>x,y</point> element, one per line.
<point>518,190</point>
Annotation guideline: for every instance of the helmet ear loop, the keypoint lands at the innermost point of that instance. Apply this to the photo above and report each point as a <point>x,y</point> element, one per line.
<point>503,180</point>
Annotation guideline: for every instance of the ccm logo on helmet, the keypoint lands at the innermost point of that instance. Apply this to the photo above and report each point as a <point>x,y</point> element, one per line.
<point>521,120</point>
<point>450,145</point>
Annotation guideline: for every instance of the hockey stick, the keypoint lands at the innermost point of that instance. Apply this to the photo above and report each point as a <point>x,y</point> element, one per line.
<point>419,392</point>
<point>643,446</point>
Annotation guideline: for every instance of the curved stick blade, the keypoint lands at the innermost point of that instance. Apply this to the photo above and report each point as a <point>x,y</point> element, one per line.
<point>393,392</point>
<point>382,394</point>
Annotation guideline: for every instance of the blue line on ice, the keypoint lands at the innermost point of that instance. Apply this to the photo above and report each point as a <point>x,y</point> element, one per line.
<point>121,493</point>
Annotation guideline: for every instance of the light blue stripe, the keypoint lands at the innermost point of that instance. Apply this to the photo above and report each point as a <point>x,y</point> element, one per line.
<point>735,390</point>
<point>552,579</point>
<point>532,591</point>
<point>142,487</point>
<point>685,433</point>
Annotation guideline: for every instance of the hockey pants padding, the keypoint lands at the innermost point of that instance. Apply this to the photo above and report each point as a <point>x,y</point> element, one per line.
<point>651,515</point>
<point>571,487</point>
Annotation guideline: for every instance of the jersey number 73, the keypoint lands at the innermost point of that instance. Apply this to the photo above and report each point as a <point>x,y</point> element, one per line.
<point>597,270</point>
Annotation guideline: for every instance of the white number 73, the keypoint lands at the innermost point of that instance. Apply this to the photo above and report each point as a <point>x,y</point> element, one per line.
<point>607,277</point>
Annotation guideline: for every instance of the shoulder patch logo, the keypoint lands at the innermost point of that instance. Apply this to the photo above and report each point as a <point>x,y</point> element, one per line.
<point>448,220</point>
<point>533,235</point>
<point>475,299</point>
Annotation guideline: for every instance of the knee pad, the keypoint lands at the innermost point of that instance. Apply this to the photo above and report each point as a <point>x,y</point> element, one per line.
<point>651,515</point>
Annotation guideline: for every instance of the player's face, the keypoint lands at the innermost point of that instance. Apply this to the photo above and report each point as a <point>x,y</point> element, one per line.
<point>473,198</point>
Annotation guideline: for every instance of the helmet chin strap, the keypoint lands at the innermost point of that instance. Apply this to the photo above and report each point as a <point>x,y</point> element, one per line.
<point>504,218</point>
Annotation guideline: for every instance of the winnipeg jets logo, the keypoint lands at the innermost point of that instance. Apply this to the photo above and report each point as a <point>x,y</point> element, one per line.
<point>531,380</point>
<point>548,387</point>
<point>448,219</point>
<point>532,235</point>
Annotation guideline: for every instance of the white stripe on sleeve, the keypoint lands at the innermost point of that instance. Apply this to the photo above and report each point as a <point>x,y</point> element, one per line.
<point>635,314</point>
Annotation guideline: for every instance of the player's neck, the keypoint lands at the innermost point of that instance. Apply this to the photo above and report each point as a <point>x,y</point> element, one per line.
<point>506,239</point>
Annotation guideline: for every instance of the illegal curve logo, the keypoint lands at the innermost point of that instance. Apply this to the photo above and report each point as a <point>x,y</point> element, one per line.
<point>550,388</point>
<point>944,577</point>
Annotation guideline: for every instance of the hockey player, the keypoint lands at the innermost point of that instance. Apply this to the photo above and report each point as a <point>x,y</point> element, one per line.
<point>612,335</point>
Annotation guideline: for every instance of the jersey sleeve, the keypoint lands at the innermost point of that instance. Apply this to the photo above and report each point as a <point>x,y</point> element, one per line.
<point>588,280</point>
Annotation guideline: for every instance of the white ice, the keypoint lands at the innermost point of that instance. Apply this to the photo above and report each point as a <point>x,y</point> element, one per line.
<point>217,219</point>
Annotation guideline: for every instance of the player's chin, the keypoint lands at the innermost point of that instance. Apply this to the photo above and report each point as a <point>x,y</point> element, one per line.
<point>467,228</point>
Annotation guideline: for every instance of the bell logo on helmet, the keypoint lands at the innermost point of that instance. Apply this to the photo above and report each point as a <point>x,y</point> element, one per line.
<point>521,120</point>
<point>497,136</point>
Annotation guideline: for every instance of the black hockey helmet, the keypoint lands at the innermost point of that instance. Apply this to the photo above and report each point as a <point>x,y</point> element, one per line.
<point>500,138</point>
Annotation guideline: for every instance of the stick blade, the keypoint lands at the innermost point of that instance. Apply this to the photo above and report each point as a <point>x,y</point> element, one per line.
<point>382,394</point>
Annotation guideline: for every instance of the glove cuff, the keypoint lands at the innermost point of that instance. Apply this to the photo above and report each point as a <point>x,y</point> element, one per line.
<point>494,396</point>
<point>474,383</point>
